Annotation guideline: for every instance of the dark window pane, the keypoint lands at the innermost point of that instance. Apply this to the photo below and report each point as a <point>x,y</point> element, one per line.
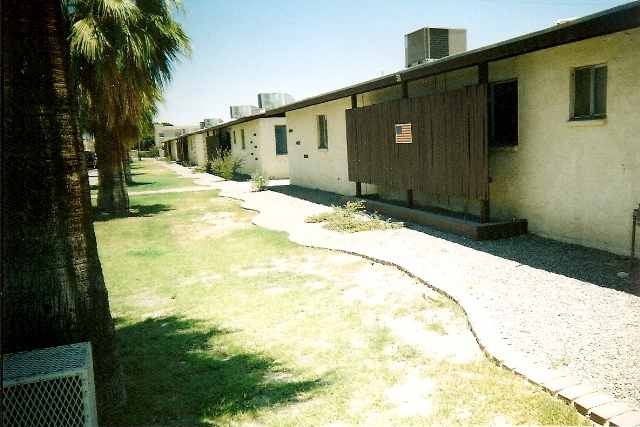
<point>600,91</point>
<point>503,115</point>
<point>323,141</point>
<point>281,139</point>
<point>582,93</point>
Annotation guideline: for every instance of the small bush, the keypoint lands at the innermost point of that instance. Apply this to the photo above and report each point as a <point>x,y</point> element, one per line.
<point>225,165</point>
<point>154,152</point>
<point>352,218</point>
<point>259,182</point>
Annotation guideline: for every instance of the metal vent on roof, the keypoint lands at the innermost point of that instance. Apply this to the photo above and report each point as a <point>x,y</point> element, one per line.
<point>428,44</point>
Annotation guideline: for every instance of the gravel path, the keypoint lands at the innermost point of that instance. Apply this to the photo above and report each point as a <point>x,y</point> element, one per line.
<point>520,311</point>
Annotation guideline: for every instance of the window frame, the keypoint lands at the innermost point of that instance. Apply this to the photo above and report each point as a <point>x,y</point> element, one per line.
<point>286,148</point>
<point>592,93</point>
<point>243,141</point>
<point>322,119</point>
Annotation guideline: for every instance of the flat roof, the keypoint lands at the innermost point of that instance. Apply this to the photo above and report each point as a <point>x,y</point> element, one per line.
<point>605,22</point>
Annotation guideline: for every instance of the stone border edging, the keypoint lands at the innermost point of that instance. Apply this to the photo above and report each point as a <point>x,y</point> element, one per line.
<point>599,407</point>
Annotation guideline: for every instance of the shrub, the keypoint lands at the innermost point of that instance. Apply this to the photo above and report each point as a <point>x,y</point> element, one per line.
<point>225,165</point>
<point>352,218</point>
<point>259,182</point>
<point>154,152</point>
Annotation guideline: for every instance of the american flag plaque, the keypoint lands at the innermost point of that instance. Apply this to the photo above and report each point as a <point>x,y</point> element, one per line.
<point>403,133</point>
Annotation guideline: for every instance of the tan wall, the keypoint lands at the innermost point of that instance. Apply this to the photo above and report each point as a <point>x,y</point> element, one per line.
<point>173,145</point>
<point>573,181</point>
<point>272,165</point>
<point>324,169</point>
<point>259,156</point>
<point>197,149</point>
<point>250,155</point>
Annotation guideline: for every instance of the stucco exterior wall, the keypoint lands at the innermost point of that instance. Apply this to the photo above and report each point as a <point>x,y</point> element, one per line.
<point>574,181</point>
<point>250,154</point>
<point>272,165</point>
<point>197,149</point>
<point>259,155</point>
<point>323,169</point>
<point>173,146</point>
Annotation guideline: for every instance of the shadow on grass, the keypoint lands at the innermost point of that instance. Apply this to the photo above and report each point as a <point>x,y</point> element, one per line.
<point>136,184</point>
<point>178,373</point>
<point>134,212</point>
<point>589,265</point>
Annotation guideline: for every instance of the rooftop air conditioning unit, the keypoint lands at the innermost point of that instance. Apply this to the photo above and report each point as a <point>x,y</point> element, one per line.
<point>49,387</point>
<point>269,101</point>
<point>428,44</point>
<point>238,111</point>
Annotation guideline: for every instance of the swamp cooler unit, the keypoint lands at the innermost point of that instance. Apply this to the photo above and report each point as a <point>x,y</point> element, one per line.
<point>49,387</point>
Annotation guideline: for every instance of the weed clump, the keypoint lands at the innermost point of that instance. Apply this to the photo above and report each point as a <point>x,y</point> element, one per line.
<point>351,218</point>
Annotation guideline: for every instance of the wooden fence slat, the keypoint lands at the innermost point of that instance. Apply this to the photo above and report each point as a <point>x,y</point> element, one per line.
<point>448,155</point>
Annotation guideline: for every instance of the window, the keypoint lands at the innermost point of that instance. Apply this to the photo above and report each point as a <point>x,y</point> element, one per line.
<point>503,114</point>
<point>161,135</point>
<point>234,136</point>
<point>323,139</point>
<point>242,139</point>
<point>589,92</point>
<point>281,139</point>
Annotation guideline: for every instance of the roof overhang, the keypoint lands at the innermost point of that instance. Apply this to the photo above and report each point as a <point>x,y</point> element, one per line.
<point>609,21</point>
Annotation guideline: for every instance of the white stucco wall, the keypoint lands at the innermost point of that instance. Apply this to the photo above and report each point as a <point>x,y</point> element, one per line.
<point>574,181</point>
<point>272,165</point>
<point>173,146</point>
<point>259,155</point>
<point>323,169</point>
<point>248,155</point>
<point>197,149</point>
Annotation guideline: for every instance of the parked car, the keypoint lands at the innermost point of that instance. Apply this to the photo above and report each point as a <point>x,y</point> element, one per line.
<point>90,158</point>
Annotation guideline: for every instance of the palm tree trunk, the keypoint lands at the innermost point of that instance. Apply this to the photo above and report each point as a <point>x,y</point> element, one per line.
<point>112,185</point>
<point>126,164</point>
<point>53,288</point>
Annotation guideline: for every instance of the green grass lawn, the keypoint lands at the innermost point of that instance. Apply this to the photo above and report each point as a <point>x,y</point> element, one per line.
<point>152,175</point>
<point>221,323</point>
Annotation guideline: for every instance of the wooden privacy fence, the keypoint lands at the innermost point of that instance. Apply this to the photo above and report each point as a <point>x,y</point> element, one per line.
<point>448,154</point>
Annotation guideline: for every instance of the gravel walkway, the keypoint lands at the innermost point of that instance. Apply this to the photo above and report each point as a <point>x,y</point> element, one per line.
<point>520,313</point>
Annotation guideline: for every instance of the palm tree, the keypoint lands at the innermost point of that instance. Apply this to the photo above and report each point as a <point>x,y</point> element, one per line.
<point>123,51</point>
<point>53,288</point>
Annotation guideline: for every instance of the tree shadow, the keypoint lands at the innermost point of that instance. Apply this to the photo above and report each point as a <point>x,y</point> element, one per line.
<point>136,183</point>
<point>579,262</point>
<point>178,372</point>
<point>135,211</point>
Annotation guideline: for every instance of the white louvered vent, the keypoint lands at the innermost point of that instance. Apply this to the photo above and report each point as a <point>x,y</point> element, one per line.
<point>49,387</point>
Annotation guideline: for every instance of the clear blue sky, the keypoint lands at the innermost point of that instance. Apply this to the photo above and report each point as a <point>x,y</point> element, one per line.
<point>309,47</point>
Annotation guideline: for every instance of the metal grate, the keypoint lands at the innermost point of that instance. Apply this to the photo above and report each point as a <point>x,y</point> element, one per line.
<point>49,387</point>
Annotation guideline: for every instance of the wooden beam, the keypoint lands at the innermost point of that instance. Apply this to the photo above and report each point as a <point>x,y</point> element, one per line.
<point>483,73</point>
<point>410,198</point>
<point>485,205</point>
<point>358,189</point>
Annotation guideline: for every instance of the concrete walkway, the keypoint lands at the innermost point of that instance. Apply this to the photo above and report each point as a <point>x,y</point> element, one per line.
<point>569,336</point>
